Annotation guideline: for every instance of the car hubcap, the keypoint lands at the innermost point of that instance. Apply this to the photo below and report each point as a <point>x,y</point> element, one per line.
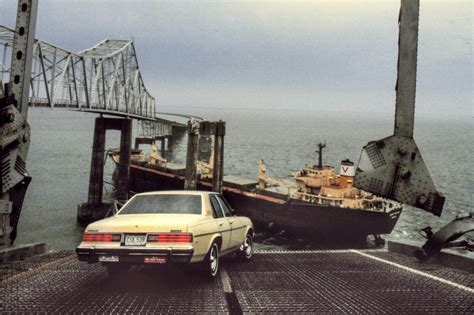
<point>248,246</point>
<point>213,259</point>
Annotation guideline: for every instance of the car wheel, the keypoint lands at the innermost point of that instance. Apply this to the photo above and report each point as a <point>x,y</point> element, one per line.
<point>115,269</point>
<point>211,262</point>
<point>246,249</point>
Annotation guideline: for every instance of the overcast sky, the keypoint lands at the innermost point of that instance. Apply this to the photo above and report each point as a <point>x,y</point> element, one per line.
<point>308,56</point>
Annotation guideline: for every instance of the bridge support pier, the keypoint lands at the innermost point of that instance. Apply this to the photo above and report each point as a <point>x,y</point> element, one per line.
<point>124,165</point>
<point>169,143</point>
<point>199,135</point>
<point>218,171</point>
<point>143,140</point>
<point>163,146</point>
<point>163,149</point>
<point>190,182</point>
<point>95,209</point>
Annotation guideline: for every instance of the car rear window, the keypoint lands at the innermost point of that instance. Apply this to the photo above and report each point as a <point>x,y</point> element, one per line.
<point>179,204</point>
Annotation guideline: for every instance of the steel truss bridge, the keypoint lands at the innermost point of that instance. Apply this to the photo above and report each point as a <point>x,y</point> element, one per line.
<point>103,79</point>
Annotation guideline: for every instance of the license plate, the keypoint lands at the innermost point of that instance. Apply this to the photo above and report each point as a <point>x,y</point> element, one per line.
<point>155,260</point>
<point>108,258</point>
<point>135,239</point>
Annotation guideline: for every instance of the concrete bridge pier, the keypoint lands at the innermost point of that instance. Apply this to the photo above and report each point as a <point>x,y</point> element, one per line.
<point>163,146</point>
<point>169,143</point>
<point>218,171</point>
<point>166,143</point>
<point>124,165</point>
<point>143,140</point>
<point>95,208</point>
<point>198,135</point>
<point>191,175</point>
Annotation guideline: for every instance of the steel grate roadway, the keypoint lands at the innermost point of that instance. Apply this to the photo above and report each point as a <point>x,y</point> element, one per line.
<point>312,281</point>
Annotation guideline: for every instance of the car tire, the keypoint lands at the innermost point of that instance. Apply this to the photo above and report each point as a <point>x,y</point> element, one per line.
<point>116,269</point>
<point>210,265</point>
<point>246,249</point>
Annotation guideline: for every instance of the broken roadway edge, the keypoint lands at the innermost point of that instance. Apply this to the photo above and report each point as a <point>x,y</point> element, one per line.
<point>343,281</point>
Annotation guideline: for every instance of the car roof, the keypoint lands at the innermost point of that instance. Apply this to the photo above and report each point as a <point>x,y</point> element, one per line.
<point>177,192</point>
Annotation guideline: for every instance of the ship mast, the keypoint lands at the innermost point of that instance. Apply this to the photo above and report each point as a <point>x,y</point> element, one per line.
<point>320,154</point>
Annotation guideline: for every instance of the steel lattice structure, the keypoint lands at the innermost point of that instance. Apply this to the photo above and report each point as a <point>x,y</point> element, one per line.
<point>105,78</point>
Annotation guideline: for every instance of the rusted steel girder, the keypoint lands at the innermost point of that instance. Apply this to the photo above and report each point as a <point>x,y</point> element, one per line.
<point>14,128</point>
<point>393,167</point>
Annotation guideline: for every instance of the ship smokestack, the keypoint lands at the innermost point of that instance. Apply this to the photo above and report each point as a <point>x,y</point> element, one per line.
<point>347,172</point>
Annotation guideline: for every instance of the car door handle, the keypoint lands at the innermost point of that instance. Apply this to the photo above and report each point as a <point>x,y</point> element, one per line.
<point>220,224</point>
<point>230,222</point>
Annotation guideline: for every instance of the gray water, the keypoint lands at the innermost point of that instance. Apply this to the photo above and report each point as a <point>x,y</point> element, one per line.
<point>60,152</point>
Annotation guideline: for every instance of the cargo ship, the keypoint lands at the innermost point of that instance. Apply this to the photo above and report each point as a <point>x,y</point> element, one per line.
<point>318,203</point>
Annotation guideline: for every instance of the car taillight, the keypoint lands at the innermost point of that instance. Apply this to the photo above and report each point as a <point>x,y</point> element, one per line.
<point>171,238</point>
<point>100,237</point>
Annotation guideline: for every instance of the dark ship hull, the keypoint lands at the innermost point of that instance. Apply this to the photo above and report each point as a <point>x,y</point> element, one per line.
<point>321,222</point>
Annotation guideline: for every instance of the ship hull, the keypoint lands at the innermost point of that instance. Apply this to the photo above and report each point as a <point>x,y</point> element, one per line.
<point>322,222</point>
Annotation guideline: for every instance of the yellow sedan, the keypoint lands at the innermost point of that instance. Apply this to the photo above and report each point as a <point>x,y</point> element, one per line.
<point>168,227</point>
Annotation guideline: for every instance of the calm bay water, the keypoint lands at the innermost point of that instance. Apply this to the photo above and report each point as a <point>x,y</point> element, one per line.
<point>60,152</point>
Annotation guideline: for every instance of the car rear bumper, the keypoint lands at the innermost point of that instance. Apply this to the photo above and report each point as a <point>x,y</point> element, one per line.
<point>135,255</point>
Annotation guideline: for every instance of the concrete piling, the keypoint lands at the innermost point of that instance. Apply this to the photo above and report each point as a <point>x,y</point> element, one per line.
<point>95,208</point>
<point>197,132</point>
<point>144,140</point>
<point>124,165</point>
<point>218,171</point>
<point>170,143</point>
<point>97,163</point>
<point>190,182</point>
<point>163,146</point>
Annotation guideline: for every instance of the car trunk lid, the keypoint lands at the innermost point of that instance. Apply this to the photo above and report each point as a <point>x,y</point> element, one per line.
<point>144,223</point>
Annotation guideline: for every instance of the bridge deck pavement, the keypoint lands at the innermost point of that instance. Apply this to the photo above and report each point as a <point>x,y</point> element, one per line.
<point>313,281</point>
